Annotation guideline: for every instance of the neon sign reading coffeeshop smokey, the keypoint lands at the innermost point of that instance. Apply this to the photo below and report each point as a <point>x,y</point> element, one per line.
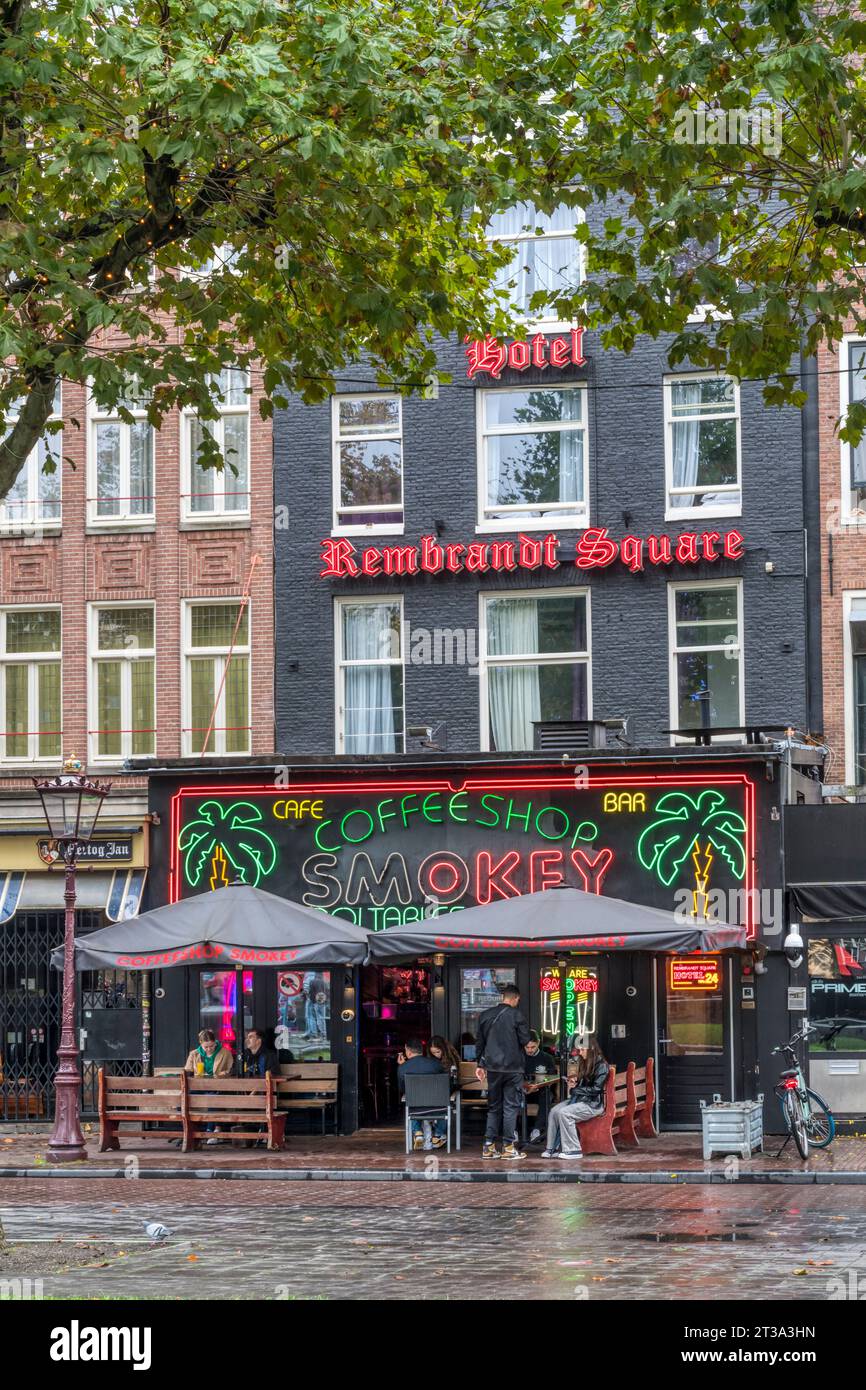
<point>594,549</point>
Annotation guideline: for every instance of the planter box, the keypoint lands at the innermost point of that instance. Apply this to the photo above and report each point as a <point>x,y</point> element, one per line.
<point>733,1127</point>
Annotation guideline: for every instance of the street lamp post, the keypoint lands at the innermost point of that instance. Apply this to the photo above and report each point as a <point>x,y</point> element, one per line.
<point>71,804</point>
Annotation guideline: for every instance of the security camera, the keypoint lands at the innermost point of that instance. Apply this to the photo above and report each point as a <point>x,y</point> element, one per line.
<point>793,947</point>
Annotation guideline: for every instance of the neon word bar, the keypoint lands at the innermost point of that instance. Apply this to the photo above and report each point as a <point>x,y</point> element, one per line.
<point>594,549</point>
<point>491,356</point>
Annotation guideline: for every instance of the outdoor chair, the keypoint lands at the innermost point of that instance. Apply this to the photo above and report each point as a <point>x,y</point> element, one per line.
<point>428,1098</point>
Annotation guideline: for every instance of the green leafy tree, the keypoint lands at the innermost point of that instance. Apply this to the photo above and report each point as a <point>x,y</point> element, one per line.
<point>777,215</point>
<point>680,822</point>
<point>333,165</point>
<point>233,831</point>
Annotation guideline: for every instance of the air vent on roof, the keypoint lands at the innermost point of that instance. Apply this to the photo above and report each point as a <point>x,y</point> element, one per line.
<point>574,735</point>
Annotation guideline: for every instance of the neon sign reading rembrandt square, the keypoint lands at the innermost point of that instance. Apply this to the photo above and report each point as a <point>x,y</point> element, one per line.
<point>389,851</point>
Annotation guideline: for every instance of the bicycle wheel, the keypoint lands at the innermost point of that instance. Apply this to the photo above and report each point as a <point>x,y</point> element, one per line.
<point>796,1122</point>
<point>820,1126</point>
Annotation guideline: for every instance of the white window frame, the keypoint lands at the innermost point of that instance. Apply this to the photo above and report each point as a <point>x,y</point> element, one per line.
<point>555,513</point>
<point>220,515</point>
<point>849,596</point>
<point>33,660</point>
<point>216,746</point>
<point>96,416</point>
<point>549,324</point>
<point>684,513</point>
<point>685,586</point>
<point>128,656</point>
<point>31,470</point>
<point>849,515</point>
<point>390,528</point>
<point>543,659</point>
<point>340,664</point>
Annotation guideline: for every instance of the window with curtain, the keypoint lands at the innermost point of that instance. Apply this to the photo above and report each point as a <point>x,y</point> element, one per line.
<point>856,455</point>
<point>370,665</point>
<point>123,682</point>
<point>703,444</point>
<point>120,458</point>
<point>534,457</point>
<point>30,685</point>
<point>217,662</point>
<point>534,664</point>
<point>546,259</point>
<point>707,657</point>
<point>221,492</point>
<point>34,497</point>
<point>368,463</point>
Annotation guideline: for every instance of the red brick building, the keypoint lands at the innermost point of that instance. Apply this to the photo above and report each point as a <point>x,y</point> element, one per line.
<point>841,377</point>
<point>136,618</point>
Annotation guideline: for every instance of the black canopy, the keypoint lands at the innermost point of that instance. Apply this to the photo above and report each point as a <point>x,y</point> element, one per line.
<point>237,925</point>
<point>561,919</point>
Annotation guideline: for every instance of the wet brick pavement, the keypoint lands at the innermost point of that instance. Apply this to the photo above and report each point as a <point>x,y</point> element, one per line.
<point>352,1240</point>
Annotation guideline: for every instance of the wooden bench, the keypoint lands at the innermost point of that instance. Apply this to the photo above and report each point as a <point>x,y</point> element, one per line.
<point>139,1100</point>
<point>232,1100</point>
<point>628,1100</point>
<point>308,1086</point>
<point>643,1080</point>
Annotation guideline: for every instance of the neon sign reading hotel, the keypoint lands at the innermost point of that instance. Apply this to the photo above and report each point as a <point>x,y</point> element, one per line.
<point>594,549</point>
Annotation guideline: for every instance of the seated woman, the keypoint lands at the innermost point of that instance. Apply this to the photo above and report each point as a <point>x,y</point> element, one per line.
<point>210,1058</point>
<point>586,1082</point>
<point>445,1054</point>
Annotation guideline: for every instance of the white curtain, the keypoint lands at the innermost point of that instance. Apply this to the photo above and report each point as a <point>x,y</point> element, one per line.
<point>857,362</point>
<point>514,694</point>
<point>369,709</point>
<point>686,441</point>
<point>571,451</point>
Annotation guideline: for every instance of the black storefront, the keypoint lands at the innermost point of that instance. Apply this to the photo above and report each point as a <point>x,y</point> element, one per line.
<point>381,842</point>
<point>825,850</point>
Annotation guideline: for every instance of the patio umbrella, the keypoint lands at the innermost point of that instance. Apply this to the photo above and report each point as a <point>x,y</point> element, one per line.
<point>233,926</point>
<point>560,919</point>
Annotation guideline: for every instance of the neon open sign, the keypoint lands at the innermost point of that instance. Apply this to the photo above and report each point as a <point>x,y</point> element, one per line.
<point>581,989</point>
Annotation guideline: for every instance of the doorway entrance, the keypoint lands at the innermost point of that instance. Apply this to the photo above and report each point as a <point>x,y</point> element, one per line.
<point>395,1006</point>
<point>694,1037</point>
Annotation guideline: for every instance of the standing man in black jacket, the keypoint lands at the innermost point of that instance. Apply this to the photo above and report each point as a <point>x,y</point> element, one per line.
<point>502,1036</point>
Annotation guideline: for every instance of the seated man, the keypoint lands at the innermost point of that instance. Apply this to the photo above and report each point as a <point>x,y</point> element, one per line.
<point>426,1134</point>
<point>539,1063</point>
<point>259,1059</point>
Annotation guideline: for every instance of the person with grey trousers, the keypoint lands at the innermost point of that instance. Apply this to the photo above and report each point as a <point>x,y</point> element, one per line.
<point>585,1100</point>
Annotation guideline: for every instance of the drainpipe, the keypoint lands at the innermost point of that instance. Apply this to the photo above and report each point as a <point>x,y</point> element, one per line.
<point>809,424</point>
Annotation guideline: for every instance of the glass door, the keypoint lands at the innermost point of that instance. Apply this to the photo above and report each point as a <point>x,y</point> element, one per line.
<point>693,1037</point>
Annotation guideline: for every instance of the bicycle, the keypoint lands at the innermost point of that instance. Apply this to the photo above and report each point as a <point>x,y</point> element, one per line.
<point>807,1115</point>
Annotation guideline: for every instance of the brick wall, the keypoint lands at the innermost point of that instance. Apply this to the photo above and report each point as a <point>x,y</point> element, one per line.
<point>164,564</point>
<point>843,563</point>
<point>630,674</point>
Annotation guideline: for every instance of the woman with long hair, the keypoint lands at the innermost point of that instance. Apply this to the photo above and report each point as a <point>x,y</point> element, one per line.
<point>445,1053</point>
<point>587,1079</point>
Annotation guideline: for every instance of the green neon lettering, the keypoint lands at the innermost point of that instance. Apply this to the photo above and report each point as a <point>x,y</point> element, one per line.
<point>490,796</point>
<point>385,815</point>
<point>557,811</point>
<point>358,811</point>
<point>329,849</point>
<point>587,830</point>
<point>428,815</point>
<point>461,820</point>
<point>407,810</point>
<point>511,815</point>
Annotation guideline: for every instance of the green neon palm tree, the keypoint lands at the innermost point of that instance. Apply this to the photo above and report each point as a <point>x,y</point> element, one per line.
<point>681,821</point>
<point>232,830</point>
